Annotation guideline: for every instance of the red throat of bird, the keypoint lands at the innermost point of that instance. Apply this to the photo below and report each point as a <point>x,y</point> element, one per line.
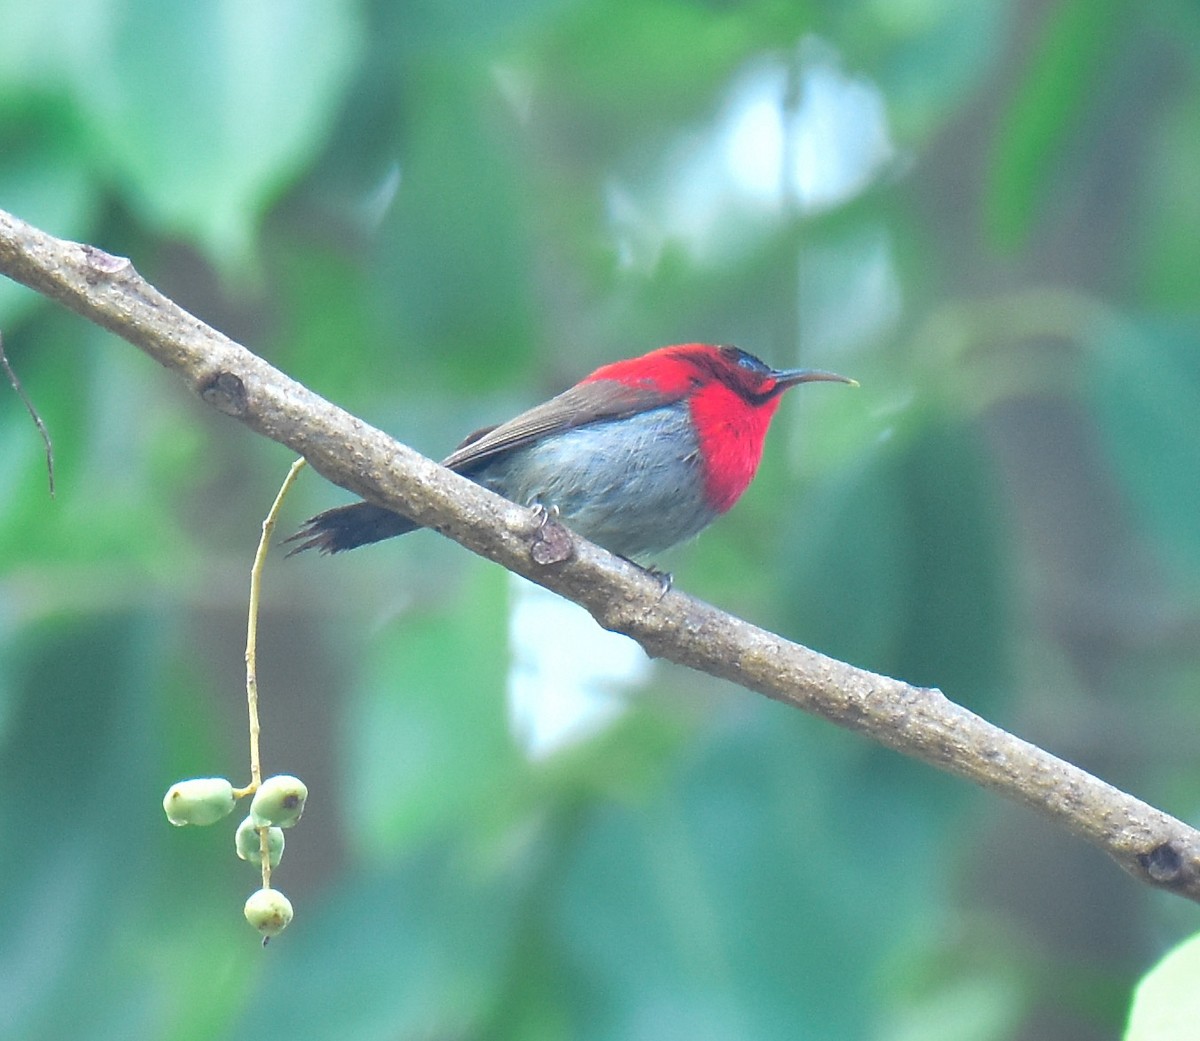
<point>731,433</point>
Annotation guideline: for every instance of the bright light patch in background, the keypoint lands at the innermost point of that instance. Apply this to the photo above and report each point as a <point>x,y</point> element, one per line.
<point>796,137</point>
<point>568,675</point>
<point>848,293</point>
<point>376,204</point>
<point>839,133</point>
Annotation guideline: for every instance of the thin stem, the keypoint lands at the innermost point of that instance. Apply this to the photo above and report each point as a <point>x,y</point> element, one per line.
<point>260,560</point>
<point>33,412</point>
<point>264,849</point>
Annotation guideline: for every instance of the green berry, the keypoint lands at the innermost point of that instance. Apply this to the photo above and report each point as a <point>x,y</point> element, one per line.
<point>201,800</point>
<point>279,801</point>
<point>269,911</point>
<point>249,847</point>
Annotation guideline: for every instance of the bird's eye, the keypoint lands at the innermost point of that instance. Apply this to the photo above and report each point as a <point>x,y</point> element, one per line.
<point>744,360</point>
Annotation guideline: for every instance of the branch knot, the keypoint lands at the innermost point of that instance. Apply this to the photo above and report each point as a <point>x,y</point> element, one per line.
<point>226,393</point>
<point>102,265</point>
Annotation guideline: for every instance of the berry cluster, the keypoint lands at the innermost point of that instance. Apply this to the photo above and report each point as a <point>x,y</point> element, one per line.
<point>278,801</point>
<point>277,804</point>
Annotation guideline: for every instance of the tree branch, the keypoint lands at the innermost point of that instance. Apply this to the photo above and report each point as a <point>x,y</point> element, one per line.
<point>919,722</point>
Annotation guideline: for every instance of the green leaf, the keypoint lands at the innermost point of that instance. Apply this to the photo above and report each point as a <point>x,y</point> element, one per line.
<point>89,866</point>
<point>1077,46</point>
<point>1168,244</point>
<point>734,903</point>
<point>108,444</point>
<point>208,110</point>
<point>36,42</point>
<point>42,182</point>
<point>429,743</point>
<point>1166,1003</point>
<point>898,564</point>
<point>455,262</point>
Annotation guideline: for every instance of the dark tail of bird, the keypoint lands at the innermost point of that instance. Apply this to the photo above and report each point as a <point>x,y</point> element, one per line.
<point>348,527</point>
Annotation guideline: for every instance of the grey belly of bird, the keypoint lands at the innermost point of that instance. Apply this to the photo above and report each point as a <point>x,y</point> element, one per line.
<point>632,485</point>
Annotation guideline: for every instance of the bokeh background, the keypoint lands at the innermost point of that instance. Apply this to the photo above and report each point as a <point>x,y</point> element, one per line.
<point>438,213</point>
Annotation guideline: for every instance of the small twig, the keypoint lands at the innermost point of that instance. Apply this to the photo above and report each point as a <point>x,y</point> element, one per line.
<point>33,412</point>
<point>256,570</point>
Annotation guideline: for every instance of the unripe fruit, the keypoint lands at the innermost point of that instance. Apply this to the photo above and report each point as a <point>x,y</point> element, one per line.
<point>279,801</point>
<point>269,911</point>
<point>249,847</point>
<point>201,800</point>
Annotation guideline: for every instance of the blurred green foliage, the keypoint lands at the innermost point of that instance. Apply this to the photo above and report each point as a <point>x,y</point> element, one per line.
<point>1166,1003</point>
<point>437,214</point>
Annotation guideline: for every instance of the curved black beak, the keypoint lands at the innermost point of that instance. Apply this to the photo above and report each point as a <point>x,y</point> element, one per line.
<point>789,377</point>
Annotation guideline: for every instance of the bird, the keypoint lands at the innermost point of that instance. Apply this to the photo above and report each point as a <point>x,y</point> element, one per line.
<point>639,456</point>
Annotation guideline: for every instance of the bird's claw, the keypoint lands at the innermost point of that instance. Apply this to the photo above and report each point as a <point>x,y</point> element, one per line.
<point>665,579</point>
<point>544,514</point>
<point>551,543</point>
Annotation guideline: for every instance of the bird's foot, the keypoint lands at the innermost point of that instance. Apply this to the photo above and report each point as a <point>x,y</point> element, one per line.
<point>551,542</point>
<point>665,579</point>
